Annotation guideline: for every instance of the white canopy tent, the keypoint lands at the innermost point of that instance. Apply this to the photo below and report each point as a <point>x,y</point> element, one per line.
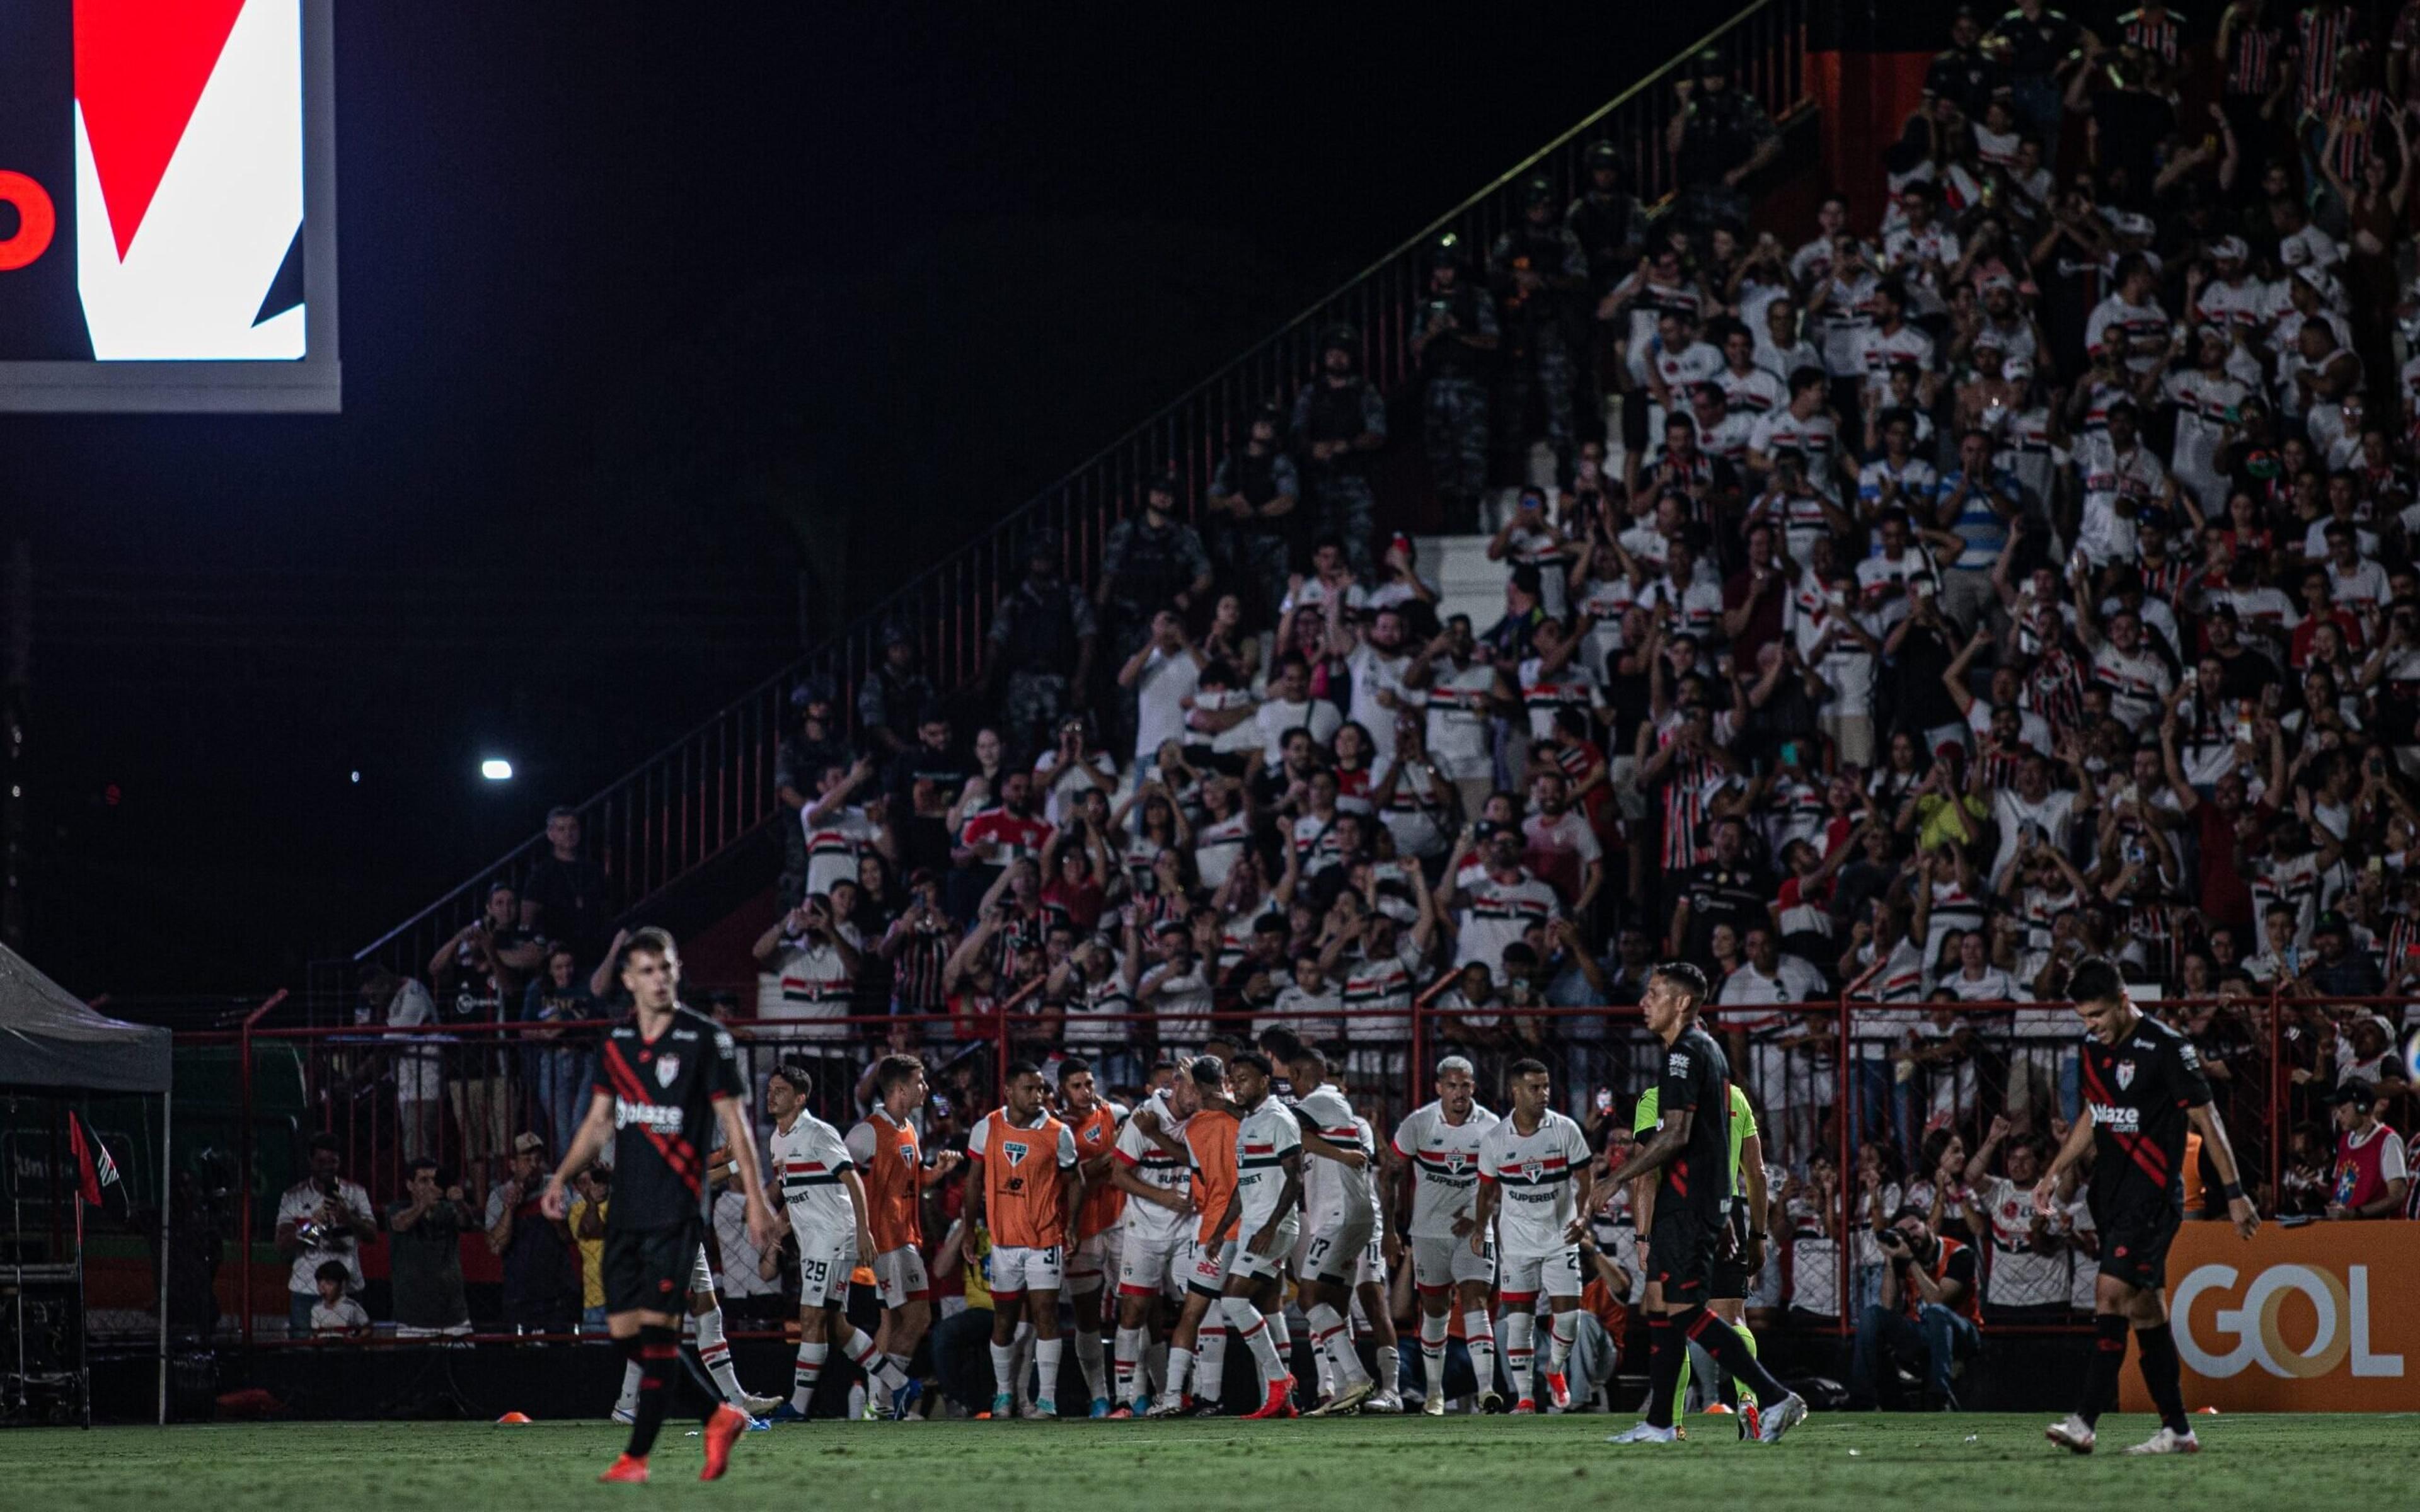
<point>52,1042</point>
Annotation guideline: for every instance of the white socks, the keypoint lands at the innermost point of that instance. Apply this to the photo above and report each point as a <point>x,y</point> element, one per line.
<point>1210,1365</point>
<point>1129,1361</point>
<point>1003,1369</point>
<point>1045,1364</point>
<point>1478,1332</point>
<point>810,1370</point>
<point>1391,1370</point>
<point>1520,1328</point>
<point>1566,1329</point>
<point>1432,1352</point>
<point>878,1369</point>
<point>1180,1366</point>
<point>1254,1331</point>
<point>714,1352</point>
<point>1332,1342</point>
<point>1088,1350</point>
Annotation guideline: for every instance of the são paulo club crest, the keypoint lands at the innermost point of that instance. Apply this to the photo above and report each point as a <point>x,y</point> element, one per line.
<point>1533,1171</point>
<point>1454,1161</point>
<point>2125,1074</point>
<point>667,1070</point>
<point>1014,1150</point>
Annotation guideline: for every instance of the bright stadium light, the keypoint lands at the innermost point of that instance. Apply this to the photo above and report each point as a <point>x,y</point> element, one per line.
<point>495,770</point>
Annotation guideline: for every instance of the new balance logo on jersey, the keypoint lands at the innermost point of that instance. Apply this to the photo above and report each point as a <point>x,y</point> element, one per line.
<point>2117,1119</point>
<point>667,1070</point>
<point>647,1114</point>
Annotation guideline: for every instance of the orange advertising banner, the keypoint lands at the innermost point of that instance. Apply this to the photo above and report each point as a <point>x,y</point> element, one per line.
<point>2324,1318</point>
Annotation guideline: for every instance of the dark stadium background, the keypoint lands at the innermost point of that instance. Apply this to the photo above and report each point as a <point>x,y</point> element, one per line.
<point>635,298</point>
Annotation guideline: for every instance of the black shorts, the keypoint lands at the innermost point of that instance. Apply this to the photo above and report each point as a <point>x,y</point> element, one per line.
<point>2134,1239</point>
<point>1730,1275</point>
<point>647,1270</point>
<point>1681,1252</point>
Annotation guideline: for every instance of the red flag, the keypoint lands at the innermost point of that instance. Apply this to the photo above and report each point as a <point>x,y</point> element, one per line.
<point>94,1168</point>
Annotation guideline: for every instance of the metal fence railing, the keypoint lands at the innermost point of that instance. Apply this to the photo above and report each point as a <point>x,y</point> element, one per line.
<point>712,786</point>
<point>1864,1108</point>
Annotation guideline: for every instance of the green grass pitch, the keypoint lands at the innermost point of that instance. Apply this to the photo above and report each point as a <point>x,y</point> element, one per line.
<point>1840,1461</point>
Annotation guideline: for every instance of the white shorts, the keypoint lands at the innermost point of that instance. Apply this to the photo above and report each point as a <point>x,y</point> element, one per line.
<point>1334,1253</point>
<point>1092,1260</point>
<point>1527,1277</point>
<point>1439,1263</point>
<point>825,1265</point>
<point>701,1275</point>
<point>416,1078</point>
<point>1371,1269</point>
<point>1205,1266</point>
<point>1015,1271</point>
<point>1145,1265</point>
<point>1242,1261</point>
<point>899,1277</point>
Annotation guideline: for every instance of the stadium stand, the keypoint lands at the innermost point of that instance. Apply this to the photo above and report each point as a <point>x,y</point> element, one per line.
<point>1884,599</point>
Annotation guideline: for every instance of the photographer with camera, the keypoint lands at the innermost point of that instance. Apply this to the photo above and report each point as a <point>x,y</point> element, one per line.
<point>425,1255</point>
<point>1927,1312</point>
<point>323,1217</point>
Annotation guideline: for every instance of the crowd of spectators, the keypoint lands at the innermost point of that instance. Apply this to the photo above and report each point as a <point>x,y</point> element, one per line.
<point>1899,608</point>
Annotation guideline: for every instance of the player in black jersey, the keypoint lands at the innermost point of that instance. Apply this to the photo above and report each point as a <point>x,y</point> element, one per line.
<point>663,1076</point>
<point>2143,1089</point>
<point>1691,1154</point>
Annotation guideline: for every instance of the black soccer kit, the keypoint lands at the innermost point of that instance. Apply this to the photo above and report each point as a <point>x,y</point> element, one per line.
<point>2140,1091</point>
<point>1693,1194</point>
<point>663,1091</point>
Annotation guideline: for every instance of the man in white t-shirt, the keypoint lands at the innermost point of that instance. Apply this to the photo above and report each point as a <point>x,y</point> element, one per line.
<point>1377,657</point>
<point>1458,691</point>
<point>1290,707</point>
<point>321,1218</point>
<point>1164,676</point>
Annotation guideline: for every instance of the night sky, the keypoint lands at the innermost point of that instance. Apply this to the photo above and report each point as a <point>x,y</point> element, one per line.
<point>631,295</point>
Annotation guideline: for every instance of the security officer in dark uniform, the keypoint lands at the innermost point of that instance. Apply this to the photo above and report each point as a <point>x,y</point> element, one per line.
<point>1338,419</point>
<point>1539,272</point>
<point>1150,562</point>
<point>1607,220</point>
<point>1965,74</point>
<point>1041,643</point>
<point>1717,137</point>
<point>1455,336</point>
<point>1255,507</point>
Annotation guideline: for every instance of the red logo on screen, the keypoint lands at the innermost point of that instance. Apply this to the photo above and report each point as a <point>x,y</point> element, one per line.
<point>37,220</point>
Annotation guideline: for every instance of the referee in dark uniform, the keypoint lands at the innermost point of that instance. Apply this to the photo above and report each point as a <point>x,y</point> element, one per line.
<point>1690,1154</point>
<point>2143,1089</point>
<point>665,1076</point>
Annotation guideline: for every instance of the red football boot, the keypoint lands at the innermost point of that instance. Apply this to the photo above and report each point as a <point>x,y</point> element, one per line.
<point>721,1431</point>
<point>629,1469</point>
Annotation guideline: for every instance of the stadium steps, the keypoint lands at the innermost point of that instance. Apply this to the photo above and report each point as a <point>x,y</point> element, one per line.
<point>686,839</point>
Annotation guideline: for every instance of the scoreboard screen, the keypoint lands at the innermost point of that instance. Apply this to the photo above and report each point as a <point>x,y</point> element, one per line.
<point>167,205</point>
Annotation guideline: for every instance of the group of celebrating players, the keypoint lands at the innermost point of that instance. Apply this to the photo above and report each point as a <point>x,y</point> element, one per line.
<point>1216,1190</point>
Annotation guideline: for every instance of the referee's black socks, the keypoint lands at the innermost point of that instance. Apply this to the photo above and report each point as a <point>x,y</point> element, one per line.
<point>2108,1358</point>
<point>1712,1334</point>
<point>2162,1375</point>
